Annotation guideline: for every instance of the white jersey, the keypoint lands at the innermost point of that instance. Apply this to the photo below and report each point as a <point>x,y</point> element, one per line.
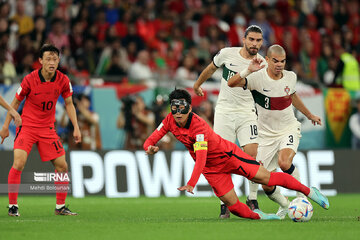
<point>233,100</point>
<point>273,101</point>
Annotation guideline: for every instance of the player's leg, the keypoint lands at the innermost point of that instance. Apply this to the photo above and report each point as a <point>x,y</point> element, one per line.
<point>286,157</point>
<point>242,164</point>
<point>236,207</point>
<point>247,135</point>
<point>51,149</point>
<point>274,194</point>
<point>264,177</point>
<point>288,148</point>
<point>14,180</point>
<point>251,200</point>
<point>23,143</point>
<point>61,184</point>
<point>224,125</point>
<point>223,188</point>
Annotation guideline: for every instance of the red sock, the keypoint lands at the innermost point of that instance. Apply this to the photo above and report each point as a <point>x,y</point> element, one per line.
<point>61,189</point>
<point>14,179</point>
<point>241,210</point>
<point>287,181</point>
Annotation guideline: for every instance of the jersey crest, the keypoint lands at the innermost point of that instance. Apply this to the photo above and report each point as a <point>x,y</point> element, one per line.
<point>287,90</point>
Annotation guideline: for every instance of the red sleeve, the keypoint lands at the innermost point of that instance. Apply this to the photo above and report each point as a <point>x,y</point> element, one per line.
<point>67,90</point>
<point>23,90</point>
<point>200,162</point>
<point>200,149</point>
<point>159,132</point>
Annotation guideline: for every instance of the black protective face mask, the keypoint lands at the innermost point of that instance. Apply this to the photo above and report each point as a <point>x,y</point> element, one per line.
<point>177,103</point>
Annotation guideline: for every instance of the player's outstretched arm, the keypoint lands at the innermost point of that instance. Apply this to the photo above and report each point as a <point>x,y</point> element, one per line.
<point>238,80</point>
<point>200,149</point>
<point>70,110</point>
<point>13,113</point>
<point>4,132</point>
<point>299,105</point>
<point>205,75</point>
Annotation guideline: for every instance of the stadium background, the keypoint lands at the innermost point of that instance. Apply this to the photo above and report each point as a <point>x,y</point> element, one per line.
<point>102,41</point>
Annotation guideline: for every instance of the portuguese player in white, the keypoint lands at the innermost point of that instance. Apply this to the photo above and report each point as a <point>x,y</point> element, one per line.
<point>235,114</point>
<point>273,89</point>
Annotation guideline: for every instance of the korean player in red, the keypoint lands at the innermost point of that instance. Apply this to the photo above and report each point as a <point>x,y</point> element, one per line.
<point>217,158</point>
<point>41,90</point>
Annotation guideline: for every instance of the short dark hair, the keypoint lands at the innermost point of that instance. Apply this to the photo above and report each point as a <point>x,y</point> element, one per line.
<point>253,28</point>
<point>48,48</point>
<point>180,94</point>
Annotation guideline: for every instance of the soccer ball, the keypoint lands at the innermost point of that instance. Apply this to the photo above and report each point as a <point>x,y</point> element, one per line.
<point>300,210</point>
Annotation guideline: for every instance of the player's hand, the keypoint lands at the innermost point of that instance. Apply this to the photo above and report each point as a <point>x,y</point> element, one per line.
<point>255,65</point>
<point>315,120</point>
<point>187,188</point>
<point>17,118</point>
<point>152,150</point>
<point>198,91</point>
<point>77,135</point>
<point>4,133</point>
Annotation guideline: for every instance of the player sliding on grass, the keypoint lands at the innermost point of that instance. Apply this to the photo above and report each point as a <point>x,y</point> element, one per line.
<point>217,158</point>
<point>41,88</point>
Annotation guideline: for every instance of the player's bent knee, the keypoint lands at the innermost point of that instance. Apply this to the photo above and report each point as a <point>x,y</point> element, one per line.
<point>19,166</point>
<point>267,188</point>
<point>63,168</point>
<point>284,164</point>
<point>20,157</point>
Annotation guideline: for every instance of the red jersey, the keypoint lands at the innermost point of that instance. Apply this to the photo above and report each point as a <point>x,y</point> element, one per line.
<point>41,97</point>
<point>198,138</point>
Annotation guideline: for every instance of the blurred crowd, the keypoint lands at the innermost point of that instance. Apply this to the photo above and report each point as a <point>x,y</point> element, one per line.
<point>153,41</point>
<point>170,42</point>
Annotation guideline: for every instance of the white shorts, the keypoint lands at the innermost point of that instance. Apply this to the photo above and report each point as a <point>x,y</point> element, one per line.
<point>242,127</point>
<point>268,150</point>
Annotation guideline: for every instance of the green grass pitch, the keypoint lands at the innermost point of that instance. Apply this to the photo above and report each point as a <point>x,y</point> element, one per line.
<point>171,218</point>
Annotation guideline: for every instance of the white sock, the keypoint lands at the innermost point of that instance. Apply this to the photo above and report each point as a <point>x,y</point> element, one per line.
<point>58,206</point>
<point>10,205</point>
<point>253,187</point>
<point>311,193</point>
<point>280,199</point>
<point>296,175</point>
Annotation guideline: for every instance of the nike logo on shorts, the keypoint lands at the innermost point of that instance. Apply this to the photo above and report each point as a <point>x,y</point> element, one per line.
<point>266,90</point>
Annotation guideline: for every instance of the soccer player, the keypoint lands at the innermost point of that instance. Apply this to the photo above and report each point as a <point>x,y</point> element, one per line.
<point>217,158</point>
<point>41,88</point>
<point>274,92</point>
<point>235,115</point>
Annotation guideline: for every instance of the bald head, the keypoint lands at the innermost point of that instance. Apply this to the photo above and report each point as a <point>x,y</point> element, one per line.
<point>277,49</point>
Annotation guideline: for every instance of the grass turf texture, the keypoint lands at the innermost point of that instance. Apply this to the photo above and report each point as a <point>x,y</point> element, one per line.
<point>171,218</point>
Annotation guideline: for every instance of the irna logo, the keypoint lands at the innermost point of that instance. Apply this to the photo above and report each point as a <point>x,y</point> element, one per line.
<point>51,177</point>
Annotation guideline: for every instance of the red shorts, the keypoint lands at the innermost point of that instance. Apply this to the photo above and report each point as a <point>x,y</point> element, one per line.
<point>239,163</point>
<point>46,139</point>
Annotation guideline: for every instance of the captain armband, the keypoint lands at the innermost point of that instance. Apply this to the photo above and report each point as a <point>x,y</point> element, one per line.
<point>200,146</point>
